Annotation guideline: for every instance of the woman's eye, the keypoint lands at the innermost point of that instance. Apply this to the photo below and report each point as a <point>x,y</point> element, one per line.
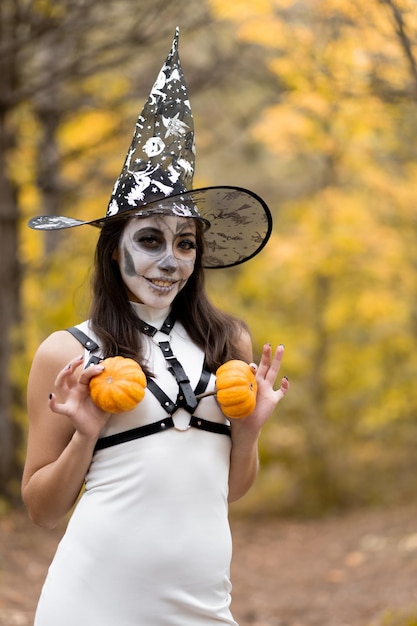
<point>186,244</point>
<point>149,241</point>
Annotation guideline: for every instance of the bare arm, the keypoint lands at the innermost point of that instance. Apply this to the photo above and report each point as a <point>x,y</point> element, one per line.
<point>244,460</point>
<point>63,429</point>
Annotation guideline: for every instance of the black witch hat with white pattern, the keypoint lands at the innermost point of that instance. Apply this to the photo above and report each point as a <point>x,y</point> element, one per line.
<point>158,173</point>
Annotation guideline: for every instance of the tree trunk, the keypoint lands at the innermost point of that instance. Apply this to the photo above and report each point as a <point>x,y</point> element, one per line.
<point>9,312</point>
<point>10,275</point>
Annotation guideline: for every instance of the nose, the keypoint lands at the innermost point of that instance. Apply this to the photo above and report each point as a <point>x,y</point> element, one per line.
<point>168,264</point>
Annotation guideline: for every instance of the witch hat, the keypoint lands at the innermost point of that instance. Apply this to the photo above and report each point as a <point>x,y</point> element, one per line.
<point>157,178</point>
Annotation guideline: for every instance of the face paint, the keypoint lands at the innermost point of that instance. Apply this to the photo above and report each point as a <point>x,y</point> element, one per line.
<point>156,257</point>
<point>129,265</point>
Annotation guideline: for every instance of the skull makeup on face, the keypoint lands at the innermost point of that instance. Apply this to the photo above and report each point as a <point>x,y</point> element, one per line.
<point>156,257</point>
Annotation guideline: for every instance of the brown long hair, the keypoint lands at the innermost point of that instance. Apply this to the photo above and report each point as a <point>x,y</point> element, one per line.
<point>115,322</point>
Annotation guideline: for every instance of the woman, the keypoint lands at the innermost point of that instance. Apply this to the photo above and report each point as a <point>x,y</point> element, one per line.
<point>148,543</point>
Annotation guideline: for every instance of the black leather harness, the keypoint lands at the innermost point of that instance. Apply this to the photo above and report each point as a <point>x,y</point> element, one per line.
<point>187,396</point>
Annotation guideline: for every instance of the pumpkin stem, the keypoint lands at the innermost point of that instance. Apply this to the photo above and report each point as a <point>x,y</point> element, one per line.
<point>206,394</point>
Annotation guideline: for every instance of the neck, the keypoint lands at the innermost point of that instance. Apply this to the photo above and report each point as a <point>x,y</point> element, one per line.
<point>155,317</point>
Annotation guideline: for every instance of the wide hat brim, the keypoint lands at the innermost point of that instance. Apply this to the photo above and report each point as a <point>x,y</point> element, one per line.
<point>238,222</point>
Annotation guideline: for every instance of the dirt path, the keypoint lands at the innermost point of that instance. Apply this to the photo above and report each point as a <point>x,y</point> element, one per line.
<point>357,570</point>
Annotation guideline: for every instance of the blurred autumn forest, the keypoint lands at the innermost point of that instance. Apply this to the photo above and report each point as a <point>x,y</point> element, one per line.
<point>310,103</point>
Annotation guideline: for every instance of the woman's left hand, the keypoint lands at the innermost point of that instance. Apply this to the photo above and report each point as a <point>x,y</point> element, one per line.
<point>267,397</point>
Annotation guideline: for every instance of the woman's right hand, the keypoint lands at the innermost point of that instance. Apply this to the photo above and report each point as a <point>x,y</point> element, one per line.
<point>73,399</point>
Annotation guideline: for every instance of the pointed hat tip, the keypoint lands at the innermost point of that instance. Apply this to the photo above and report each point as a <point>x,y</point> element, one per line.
<point>176,38</point>
<point>174,46</point>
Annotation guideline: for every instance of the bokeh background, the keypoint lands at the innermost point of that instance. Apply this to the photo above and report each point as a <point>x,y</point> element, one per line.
<point>312,104</point>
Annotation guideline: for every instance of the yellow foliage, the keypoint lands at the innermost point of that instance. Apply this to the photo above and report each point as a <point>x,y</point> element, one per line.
<point>49,8</point>
<point>377,303</point>
<point>19,160</point>
<point>108,87</point>
<point>240,10</point>
<point>87,129</point>
<point>265,30</point>
<point>281,128</point>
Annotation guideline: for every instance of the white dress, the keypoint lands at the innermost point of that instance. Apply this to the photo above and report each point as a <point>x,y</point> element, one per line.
<point>149,543</point>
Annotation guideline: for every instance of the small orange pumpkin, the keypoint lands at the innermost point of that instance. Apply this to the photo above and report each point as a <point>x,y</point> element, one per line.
<point>120,387</point>
<point>236,389</point>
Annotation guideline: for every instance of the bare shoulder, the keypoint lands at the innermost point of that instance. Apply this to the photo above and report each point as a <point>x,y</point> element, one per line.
<point>58,349</point>
<point>53,354</point>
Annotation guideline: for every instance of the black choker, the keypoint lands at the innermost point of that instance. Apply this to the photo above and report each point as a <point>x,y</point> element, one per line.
<point>150,330</point>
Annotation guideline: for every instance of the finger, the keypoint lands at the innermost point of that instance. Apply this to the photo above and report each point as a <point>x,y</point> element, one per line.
<point>278,356</point>
<point>271,372</point>
<point>55,406</point>
<point>283,390</point>
<point>285,385</point>
<point>90,372</point>
<point>68,371</point>
<point>265,361</point>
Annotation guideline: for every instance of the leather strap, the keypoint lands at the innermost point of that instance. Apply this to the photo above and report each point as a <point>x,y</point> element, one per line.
<point>134,433</point>
<point>157,427</point>
<point>211,427</point>
<point>84,340</point>
<point>87,343</point>
<point>150,330</point>
<point>165,401</point>
<point>204,379</point>
<point>186,397</point>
